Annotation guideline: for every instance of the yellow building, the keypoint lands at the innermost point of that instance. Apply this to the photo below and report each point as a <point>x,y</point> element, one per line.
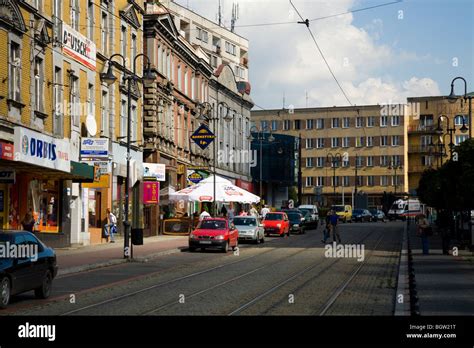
<point>369,137</point>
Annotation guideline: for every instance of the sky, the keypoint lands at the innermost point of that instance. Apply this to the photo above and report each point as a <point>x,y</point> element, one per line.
<point>379,56</point>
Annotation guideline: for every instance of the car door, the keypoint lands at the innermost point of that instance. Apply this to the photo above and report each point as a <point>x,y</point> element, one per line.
<point>21,272</point>
<point>39,263</point>
<point>233,235</point>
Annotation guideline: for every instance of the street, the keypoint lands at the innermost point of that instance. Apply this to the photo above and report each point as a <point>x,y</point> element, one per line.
<point>283,276</point>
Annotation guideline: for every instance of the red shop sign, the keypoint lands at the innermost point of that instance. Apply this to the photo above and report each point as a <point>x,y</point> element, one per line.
<point>6,151</point>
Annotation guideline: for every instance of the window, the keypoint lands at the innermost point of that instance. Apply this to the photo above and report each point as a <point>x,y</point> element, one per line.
<point>39,84</point>
<point>383,140</point>
<point>264,125</point>
<point>123,118</point>
<point>104,31</point>
<point>426,120</point>
<point>320,143</point>
<point>297,124</point>
<point>202,35</point>
<point>230,48</point>
<point>104,108</point>
<point>370,180</point>
<point>186,82</point>
<point>286,125</point>
<point>370,141</point>
<point>309,143</point>
<point>134,130</point>
<point>320,162</point>
<point>193,87</point>
<point>90,20</point>
<point>345,142</point>
<point>75,101</point>
<point>75,14</point>
<point>383,161</point>
<point>395,140</point>
<point>309,124</point>
<point>90,100</point>
<point>359,122</point>
<point>134,48</point>
<point>335,122</point>
<point>57,102</point>
<point>320,181</point>
<point>15,72</point>
<point>309,162</point>
<point>334,162</point>
<point>180,82</point>
<point>359,180</point>
<point>426,140</point>
<point>334,142</point>
<point>359,141</point>
<point>460,138</point>
<point>426,160</point>
<point>320,123</point>
<point>346,122</point>
<point>274,125</point>
<point>370,161</point>
<point>345,181</point>
<point>168,66</point>
<point>309,181</point>
<point>213,61</point>
<point>396,160</point>
<point>383,121</point>
<point>395,121</point>
<point>371,121</point>
<point>359,161</point>
<point>57,8</point>
<point>335,180</point>
<point>384,180</point>
<point>123,40</point>
<point>345,163</point>
<point>458,120</point>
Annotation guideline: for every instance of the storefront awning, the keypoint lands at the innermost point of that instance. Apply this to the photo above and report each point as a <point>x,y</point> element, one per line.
<point>80,172</point>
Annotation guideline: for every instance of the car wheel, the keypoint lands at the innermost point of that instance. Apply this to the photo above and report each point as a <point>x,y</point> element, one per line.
<point>5,292</point>
<point>192,249</point>
<point>225,248</point>
<point>44,291</point>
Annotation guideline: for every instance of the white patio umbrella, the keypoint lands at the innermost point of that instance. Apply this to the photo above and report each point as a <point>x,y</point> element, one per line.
<point>225,192</point>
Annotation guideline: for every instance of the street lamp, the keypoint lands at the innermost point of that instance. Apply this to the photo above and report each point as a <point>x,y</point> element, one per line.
<point>261,136</point>
<point>206,114</point>
<point>334,160</point>
<point>109,78</point>
<point>449,131</point>
<point>452,98</point>
<point>395,166</point>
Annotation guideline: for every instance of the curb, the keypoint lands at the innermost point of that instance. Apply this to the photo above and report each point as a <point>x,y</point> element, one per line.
<point>402,308</point>
<point>94,266</point>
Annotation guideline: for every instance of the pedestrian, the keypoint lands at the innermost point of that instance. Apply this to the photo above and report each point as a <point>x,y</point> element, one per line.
<point>204,215</point>
<point>335,231</point>
<point>28,222</point>
<point>230,213</point>
<point>424,231</point>
<point>224,211</point>
<point>111,226</point>
<point>327,227</point>
<point>264,211</point>
<point>254,211</point>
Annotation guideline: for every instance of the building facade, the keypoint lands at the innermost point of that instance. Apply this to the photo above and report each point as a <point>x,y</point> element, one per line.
<point>370,141</point>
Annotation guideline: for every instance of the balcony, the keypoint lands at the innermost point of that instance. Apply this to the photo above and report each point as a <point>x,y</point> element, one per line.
<point>422,129</point>
<point>420,149</point>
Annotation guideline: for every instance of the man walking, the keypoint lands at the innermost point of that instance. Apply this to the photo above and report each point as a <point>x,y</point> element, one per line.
<point>112,225</point>
<point>335,231</point>
<point>264,211</point>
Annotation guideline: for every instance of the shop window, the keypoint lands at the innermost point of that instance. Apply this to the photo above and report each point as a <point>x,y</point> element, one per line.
<point>43,201</point>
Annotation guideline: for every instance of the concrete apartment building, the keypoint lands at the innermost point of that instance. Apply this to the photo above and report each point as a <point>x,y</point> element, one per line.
<point>368,137</point>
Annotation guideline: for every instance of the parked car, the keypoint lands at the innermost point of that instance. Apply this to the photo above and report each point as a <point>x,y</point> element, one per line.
<point>313,211</point>
<point>297,222</point>
<point>250,228</point>
<point>276,223</point>
<point>377,215</point>
<point>361,215</point>
<point>344,212</point>
<point>214,233</point>
<point>34,270</point>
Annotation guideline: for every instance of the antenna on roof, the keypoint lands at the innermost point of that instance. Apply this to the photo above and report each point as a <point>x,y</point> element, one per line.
<point>235,16</point>
<point>219,14</point>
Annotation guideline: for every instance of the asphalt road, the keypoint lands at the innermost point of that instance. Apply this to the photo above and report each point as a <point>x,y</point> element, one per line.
<point>283,276</point>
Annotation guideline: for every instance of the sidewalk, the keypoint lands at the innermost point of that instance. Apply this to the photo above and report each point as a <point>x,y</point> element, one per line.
<point>445,283</point>
<point>73,260</point>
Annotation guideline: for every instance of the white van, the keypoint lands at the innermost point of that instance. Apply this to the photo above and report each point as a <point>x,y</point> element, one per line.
<point>401,209</point>
<point>313,210</point>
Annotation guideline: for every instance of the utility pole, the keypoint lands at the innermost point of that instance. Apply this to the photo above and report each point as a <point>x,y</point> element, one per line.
<point>356,181</point>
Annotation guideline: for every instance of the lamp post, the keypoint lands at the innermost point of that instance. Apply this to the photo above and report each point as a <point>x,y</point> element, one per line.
<point>395,166</point>
<point>261,136</point>
<point>208,116</point>
<point>109,78</point>
<point>452,98</point>
<point>334,160</point>
<point>449,131</point>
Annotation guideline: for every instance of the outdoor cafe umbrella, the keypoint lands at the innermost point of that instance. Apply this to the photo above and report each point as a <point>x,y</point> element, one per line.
<point>204,192</point>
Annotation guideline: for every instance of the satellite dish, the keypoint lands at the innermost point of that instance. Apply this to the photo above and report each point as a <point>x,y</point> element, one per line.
<point>91,125</point>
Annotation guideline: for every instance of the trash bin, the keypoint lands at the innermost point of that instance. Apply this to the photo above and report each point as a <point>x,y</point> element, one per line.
<point>137,236</point>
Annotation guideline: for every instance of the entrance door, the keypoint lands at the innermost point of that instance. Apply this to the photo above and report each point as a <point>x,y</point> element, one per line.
<point>98,209</point>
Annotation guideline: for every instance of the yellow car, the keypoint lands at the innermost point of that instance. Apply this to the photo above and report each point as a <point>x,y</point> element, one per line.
<point>344,212</point>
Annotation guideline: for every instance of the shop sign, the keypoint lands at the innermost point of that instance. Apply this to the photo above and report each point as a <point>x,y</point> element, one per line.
<point>6,151</point>
<point>42,150</point>
<point>94,148</point>
<point>104,182</point>
<point>151,192</point>
<point>7,176</point>
<point>195,177</point>
<point>79,47</point>
<point>203,136</point>
<point>154,172</point>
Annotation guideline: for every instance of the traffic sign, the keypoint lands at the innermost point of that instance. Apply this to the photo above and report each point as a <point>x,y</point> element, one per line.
<point>203,136</point>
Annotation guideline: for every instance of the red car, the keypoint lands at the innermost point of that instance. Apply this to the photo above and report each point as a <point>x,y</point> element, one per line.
<point>214,233</point>
<point>276,223</point>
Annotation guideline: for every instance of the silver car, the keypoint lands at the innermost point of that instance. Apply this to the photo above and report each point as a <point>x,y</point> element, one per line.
<point>249,228</point>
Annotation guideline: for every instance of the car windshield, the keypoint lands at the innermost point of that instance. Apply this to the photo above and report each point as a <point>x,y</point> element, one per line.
<point>4,238</point>
<point>294,216</point>
<point>212,225</point>
<point>245,221</point>
<point>274,217</point>
<point>358,211</point>
<point>305,210</point>
<point>338,208</point>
